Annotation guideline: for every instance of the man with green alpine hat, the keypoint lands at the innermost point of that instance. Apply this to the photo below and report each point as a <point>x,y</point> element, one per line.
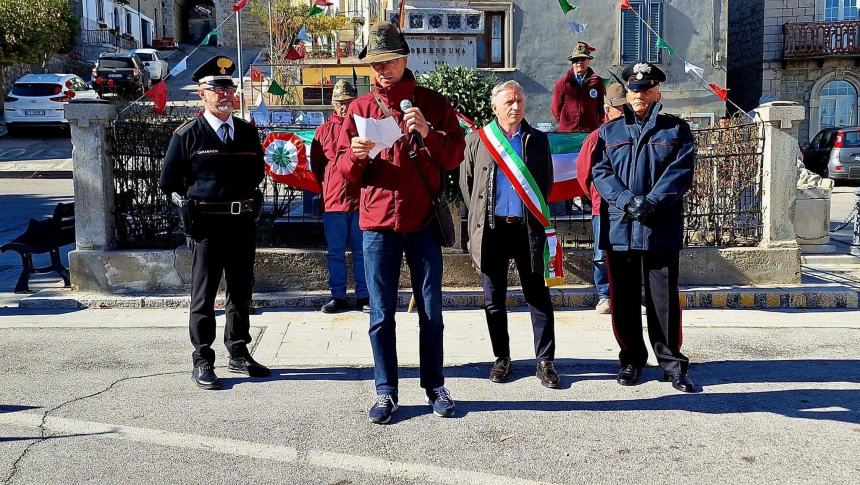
<point>340,207</point>
<point>577,98</point>
<point>398,185</point>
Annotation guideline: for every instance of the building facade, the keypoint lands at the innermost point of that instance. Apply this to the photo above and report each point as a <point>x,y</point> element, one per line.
<point>807,51</point>
<point>529,41</point>
<point>109,25</point>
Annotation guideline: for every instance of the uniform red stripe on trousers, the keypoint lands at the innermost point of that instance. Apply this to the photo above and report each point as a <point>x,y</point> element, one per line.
<point>680,320</point>
<point>612,303</point>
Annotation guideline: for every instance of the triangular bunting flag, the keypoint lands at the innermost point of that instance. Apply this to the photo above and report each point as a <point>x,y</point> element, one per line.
<point>294,55</point>
<point>576,27</point>
<point>322,3</point>
<point>158,95</point>
<point>354,78</point>
<point>209,36</point>
<point>276,89</point>
<point>261,116</point>
<point>239,5</point>
<point>721,93</point>
<point>315,11</point>
<point>693,68</point>
<point>177,69</point>
<point>256,75</point>
<point>661,44</point>
<point>303,35</point>
<point>625,5</point>
<point>566,6</point>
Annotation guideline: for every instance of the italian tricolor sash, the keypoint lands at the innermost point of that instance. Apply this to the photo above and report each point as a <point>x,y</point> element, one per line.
<point>513,166</point>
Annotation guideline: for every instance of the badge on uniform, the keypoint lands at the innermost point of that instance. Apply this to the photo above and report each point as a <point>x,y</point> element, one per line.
<point>593,93</point>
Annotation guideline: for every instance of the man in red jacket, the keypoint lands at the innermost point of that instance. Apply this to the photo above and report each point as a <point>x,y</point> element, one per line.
<point>612,104</point>
<point>340,203</point>
<point>577,98</point>
<point>398,185</point>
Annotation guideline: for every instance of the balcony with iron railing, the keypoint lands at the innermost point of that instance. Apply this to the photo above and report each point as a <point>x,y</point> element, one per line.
<point>821,40</point>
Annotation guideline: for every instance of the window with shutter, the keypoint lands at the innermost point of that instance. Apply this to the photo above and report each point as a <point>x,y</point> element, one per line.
<point>637,41</point>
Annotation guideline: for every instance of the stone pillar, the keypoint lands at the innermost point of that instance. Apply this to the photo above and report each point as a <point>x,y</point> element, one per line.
<point>93,173</point>
<point>779,173</point>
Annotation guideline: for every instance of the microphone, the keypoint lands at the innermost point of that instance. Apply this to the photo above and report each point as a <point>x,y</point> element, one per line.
<point>416,137</point>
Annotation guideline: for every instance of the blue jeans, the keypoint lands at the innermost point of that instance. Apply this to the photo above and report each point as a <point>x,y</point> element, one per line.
<point>383,254</point>
<point>341,227</point>
<point>601,274</point>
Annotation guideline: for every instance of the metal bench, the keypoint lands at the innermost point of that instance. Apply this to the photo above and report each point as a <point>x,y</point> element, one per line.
<point>45,236</point>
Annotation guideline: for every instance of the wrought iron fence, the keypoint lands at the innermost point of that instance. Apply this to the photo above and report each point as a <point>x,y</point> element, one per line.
<point>722,208</point>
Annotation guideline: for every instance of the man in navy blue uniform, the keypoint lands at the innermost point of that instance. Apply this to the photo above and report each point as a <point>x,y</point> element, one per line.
<point>643,165</point>
<point>216,162</point>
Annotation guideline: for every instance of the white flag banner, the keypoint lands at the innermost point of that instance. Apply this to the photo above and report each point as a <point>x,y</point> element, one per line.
<point>261,116</point>
<point>177,69</point>
<point>693,68</point>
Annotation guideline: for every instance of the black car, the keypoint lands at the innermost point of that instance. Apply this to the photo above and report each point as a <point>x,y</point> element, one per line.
<point>121,74</point>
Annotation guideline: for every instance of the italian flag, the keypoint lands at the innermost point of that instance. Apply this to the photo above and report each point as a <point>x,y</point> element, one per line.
<point>565,149</point>
<point>466,124</point>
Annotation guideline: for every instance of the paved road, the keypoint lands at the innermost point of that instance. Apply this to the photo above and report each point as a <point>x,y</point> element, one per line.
<point>779,405</point>
<point>37,144</point>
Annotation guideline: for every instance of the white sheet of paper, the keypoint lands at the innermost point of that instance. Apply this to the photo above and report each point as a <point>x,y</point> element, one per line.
<point>382,132</point>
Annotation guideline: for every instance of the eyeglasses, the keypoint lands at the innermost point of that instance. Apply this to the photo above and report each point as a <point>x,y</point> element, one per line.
<point>221,90</point>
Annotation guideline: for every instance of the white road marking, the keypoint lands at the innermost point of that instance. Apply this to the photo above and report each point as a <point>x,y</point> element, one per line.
<point>226,446</point>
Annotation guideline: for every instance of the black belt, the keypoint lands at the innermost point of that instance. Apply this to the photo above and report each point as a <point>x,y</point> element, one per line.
<point>509,219</point>
<point>235,208</point>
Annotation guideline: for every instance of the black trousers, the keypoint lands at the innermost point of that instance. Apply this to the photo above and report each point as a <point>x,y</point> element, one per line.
<point>662,303</point>
<point>225,245</point>
<point>499,246</point>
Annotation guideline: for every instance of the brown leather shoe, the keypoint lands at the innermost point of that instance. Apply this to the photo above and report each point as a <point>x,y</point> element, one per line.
<point>501,370</point>
<point>547,374</point>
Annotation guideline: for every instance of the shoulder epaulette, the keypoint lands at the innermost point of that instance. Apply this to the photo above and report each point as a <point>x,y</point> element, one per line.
<point>184,127</point>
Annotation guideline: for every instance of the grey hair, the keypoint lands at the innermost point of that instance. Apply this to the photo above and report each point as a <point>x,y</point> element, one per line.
<point>505,86</point>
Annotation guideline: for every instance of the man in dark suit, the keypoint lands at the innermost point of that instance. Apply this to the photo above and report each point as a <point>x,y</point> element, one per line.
<point>501,228</point>
<point>215,163</point>
<point>643,165</point>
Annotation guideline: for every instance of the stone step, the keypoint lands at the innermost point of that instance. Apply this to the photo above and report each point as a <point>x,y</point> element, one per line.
<point>818,296</point>
<point>829,259</point>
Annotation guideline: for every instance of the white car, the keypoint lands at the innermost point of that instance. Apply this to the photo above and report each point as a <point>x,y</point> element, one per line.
<point>154,62</point>
<point>38,100</point>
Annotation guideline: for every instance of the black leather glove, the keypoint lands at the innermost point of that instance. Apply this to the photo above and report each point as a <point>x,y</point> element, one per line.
<point>639,209</point>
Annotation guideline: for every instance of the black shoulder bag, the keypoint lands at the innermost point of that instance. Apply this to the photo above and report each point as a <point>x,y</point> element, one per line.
<point>441,212</point>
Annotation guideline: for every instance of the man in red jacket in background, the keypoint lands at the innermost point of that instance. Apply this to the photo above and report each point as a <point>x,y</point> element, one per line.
<point>398,185</point>
<point>340,207</point>
<point>612,104</point>
<point>577,98</point>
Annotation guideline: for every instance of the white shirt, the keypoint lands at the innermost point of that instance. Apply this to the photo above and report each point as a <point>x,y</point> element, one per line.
<point>215,123</point>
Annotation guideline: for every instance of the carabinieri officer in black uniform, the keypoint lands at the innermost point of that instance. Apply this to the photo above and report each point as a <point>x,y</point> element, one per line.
<point>216,162</point>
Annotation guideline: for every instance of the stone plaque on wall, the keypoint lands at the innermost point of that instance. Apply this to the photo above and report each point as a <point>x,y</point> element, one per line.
<point>428,51</point>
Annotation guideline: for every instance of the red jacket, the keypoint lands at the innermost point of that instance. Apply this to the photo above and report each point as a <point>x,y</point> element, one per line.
<point>338,194</point>
<point>583,172</point>
<point>575,107</point>
<point>393,197</point>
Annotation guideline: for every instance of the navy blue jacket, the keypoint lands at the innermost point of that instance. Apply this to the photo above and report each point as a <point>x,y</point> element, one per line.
<point>653,158</point>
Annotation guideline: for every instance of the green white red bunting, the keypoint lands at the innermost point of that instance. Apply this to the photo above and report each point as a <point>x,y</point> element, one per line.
<point>513,166</point>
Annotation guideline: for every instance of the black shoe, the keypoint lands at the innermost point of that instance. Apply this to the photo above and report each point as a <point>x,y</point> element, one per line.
<point>204,376</point>
<point>248,366</point>
<point>336,305</point>
<point>680,381</point>
<point>547,374</point>
<point>362,304</point>
<point>501,370</point>
<point>629,375</point>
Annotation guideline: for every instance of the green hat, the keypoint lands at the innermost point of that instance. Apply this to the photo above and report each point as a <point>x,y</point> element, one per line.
<point>615,96</point>
<point>582,49</point>
<point>343,91</point>
<point>385,43</point>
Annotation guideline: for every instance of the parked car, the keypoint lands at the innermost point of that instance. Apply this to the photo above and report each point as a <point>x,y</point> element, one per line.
<point>155,63</point>
<point>122,74</point>
<point>38,100</point>
<point>835,153</point>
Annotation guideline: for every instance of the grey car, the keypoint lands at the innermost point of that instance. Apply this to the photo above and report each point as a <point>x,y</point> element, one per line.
<point>835,153</point>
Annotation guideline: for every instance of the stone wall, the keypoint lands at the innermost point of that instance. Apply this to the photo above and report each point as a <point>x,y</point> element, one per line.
<point>255,33</point>
<point>746,38</point>
<point>779,12</point>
